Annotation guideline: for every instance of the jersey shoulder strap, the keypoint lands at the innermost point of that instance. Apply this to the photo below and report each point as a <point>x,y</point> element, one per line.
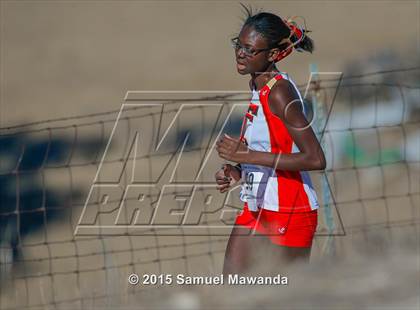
<point>271,83</point>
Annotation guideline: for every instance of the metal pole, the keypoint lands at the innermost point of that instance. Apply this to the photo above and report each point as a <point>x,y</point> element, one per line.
<point>320,109</point>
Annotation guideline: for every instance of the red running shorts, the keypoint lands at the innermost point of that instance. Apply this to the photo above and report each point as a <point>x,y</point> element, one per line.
<point>286,229</point>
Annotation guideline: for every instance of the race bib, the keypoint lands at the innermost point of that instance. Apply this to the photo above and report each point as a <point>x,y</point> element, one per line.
<point>250,185</point>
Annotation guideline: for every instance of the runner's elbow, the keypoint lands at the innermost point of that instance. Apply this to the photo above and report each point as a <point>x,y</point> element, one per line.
<point>320,163</point>
<point>317,163</point>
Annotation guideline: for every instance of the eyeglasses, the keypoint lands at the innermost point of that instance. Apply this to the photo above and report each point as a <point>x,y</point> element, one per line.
<point>248,52</point>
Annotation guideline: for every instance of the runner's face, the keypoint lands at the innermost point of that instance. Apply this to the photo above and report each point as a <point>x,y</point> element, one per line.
<point>251,54</point>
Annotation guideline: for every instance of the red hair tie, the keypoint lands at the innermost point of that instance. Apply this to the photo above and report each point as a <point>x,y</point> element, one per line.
<point>294,31</point>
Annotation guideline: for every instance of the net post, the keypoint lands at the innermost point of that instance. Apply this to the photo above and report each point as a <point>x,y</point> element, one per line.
<point>320,110</point>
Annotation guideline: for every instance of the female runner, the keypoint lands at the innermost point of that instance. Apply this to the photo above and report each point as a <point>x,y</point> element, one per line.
<point>276,149</point>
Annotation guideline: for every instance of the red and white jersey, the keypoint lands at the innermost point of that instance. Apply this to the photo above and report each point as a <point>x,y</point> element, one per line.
<point>265,187</point>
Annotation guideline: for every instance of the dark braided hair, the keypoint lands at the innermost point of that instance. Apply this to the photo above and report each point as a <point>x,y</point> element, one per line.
<point>274,29</point>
